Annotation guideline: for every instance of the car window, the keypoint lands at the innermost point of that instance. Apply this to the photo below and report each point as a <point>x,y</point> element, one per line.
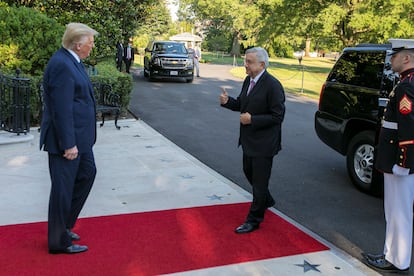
<point>160,48</point>
<point>170,48</point>
<point>390,77</point>
<point>362,68</point>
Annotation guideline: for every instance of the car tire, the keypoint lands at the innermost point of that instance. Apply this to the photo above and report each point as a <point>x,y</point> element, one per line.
<point>360,161</point>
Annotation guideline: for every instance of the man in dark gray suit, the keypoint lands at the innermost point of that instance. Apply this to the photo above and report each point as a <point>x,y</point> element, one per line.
<point>262,107</point>
<point>68,133</point>
<point>119,57</point>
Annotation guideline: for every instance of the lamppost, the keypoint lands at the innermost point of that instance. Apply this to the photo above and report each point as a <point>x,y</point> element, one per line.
<point>300,57</point>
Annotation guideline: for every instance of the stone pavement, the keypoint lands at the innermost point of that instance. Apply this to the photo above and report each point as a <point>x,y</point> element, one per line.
<point>140,170</point>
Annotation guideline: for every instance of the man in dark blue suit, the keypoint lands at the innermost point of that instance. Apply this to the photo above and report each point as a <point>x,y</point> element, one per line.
<point>262,107</point>
<point>68,133</point>
<point>129,54</point>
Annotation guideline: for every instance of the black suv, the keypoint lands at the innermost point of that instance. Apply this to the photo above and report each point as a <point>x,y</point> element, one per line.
<point>351,106</point>
<point>168,59</point>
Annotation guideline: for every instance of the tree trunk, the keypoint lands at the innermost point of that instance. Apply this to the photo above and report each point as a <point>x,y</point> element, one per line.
<point>307,46</point>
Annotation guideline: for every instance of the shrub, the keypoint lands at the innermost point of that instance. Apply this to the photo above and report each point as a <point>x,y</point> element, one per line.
<point>28,39</point>
<point>121,83</point>
<point>106,73</point>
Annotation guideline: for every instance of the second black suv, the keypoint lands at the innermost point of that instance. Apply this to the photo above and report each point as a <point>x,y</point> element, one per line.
<point>351,105</point>
<point>168,59</point>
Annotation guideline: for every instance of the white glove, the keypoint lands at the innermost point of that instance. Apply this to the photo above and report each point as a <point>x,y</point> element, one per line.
<point>397,170</point>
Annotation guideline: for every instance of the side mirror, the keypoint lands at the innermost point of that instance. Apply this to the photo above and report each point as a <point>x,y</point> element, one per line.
<point>147,50</point>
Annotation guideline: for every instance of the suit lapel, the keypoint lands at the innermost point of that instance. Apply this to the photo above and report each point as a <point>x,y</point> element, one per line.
<point>255,89</point>
<point>82,72</point>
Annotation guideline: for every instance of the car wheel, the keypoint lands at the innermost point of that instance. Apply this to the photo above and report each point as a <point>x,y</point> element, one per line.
<point>360,161</point>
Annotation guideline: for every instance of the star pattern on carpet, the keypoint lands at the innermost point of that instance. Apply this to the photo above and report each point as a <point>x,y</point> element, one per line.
<point>165,160</point>
<point>215,197</point>
<point>307,266</point>
<point>187,176</point>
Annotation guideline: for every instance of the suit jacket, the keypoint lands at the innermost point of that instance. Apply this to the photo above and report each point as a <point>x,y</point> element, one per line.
<point>132,53</point>
<point>69,116</point>
<point>266,104</point>
<point>119,52</point>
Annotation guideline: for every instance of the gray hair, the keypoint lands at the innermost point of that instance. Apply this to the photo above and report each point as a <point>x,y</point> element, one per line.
<point>76,33</point>
<point>261,55</point>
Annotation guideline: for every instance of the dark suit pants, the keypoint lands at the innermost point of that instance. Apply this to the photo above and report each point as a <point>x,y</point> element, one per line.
<point>257,171</point>
<point>119,64</point>
<point>128,63</point>
<point>71,183</point>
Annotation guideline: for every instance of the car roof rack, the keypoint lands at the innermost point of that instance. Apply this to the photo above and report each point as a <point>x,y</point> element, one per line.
<point>373,45</point>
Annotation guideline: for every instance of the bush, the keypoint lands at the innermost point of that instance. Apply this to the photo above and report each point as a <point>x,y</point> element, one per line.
<point>30,50</point>
<point>121,83</point>
<point>106,73</point>
<point>21,46</point>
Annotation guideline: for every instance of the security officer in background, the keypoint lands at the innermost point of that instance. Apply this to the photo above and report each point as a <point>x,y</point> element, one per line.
<point>395,158</point>
<point>129,54</point>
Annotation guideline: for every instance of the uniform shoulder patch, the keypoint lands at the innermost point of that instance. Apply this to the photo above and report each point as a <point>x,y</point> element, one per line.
<point>406,105</point>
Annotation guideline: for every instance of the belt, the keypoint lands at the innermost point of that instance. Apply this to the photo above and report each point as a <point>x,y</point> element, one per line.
<point>390,125</point>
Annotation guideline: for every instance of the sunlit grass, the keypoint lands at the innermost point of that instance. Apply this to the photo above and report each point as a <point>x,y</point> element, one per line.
<point>306,79</point>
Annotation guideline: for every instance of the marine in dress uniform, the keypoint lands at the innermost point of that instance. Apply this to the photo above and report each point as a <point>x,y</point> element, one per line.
<point>395,158</point>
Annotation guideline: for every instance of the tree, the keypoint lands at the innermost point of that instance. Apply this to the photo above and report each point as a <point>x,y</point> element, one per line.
<point>371,21</point>
<point>232,17</point>
<point>282,26</point>
<point>155,26</point>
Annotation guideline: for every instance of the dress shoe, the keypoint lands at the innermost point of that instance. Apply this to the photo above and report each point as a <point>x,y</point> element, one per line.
<point>372,256</point>
<point>246,228</point>
<point>72,235</point>
<point>270,203</point>
<point>74,248</point>
<point>379,262</point>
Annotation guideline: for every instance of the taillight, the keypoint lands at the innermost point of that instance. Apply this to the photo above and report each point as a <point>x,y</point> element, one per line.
<point>321,95</point>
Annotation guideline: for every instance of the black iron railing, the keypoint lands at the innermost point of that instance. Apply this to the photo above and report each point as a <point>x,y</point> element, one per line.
<point>15,103</point>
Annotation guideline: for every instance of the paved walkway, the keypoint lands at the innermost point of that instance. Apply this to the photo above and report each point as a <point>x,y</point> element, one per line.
<point>140,170</point>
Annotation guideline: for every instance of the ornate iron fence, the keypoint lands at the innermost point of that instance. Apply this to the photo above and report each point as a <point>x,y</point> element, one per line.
<point>15,103</point>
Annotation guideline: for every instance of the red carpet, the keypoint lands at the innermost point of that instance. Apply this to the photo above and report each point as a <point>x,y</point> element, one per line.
<point>153,243</point>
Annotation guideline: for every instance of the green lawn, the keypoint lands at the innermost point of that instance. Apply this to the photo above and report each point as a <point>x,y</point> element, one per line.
<point>313,71</point>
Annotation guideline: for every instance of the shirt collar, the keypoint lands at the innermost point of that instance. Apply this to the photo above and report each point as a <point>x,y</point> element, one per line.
<point>74,55</point>
<point>257,77</point>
